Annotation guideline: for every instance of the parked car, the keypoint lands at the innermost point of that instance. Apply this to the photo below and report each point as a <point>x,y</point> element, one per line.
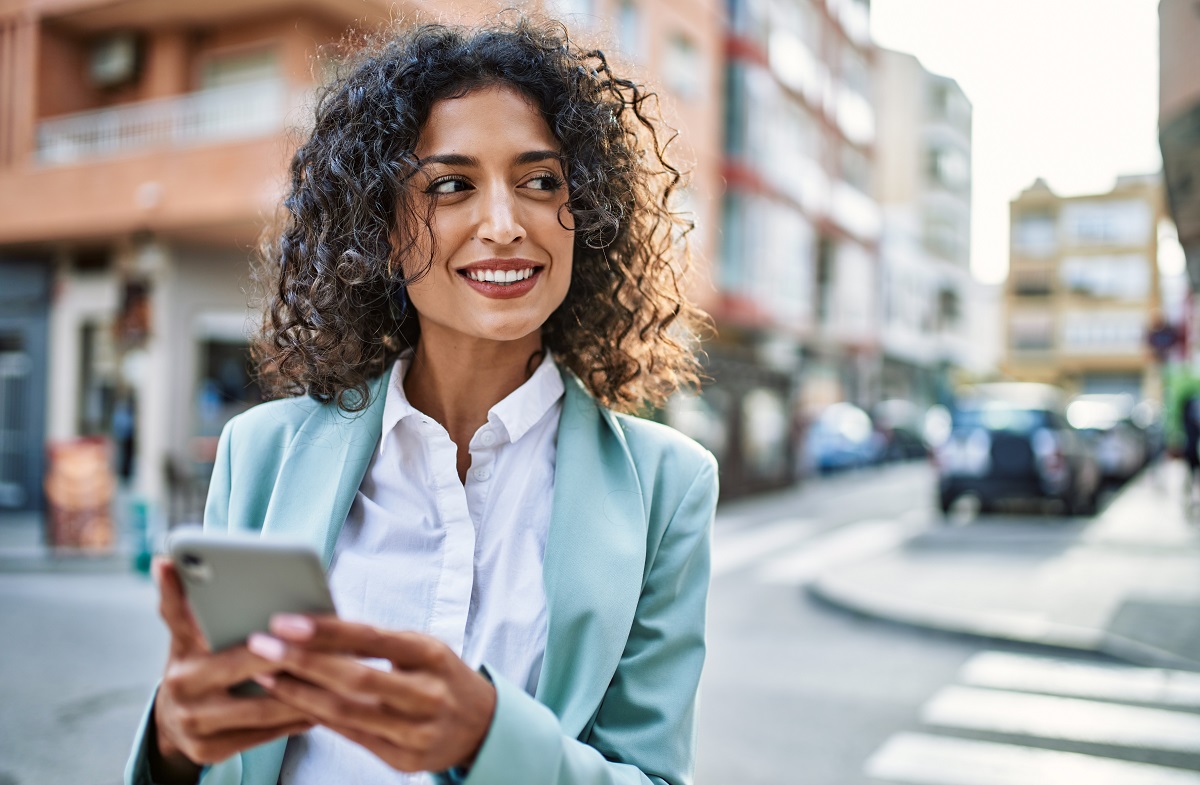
<point>841,436</point>
<point>1013,441</point>
<point>1107,421</point>
<point>901,423</point>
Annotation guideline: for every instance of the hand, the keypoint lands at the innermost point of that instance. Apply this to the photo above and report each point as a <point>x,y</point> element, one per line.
<point>431,712</point>
<point>196,720</point>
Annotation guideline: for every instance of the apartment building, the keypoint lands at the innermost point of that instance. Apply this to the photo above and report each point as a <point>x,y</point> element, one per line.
<point>142,146</point>
<point>1179,122</point>
<point>924,191</point>
<point>1083,287</point>
<point>797,272</point>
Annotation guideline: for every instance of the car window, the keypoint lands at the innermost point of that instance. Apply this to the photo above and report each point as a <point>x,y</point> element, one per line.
<point>1000,416</point>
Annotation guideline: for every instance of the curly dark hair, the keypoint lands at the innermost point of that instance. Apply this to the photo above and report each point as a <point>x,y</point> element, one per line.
<point>334,267</point>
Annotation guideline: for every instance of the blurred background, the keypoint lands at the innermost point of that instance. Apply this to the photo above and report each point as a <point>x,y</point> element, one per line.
<point>951,248</point>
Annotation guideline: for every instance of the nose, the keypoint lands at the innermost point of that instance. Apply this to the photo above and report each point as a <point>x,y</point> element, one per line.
<point>500,220</point>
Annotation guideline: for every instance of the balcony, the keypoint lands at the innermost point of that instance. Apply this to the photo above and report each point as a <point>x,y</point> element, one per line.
<point>224,114</point>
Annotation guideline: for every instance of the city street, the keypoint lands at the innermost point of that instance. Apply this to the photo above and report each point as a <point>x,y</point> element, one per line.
<point>795,691</point>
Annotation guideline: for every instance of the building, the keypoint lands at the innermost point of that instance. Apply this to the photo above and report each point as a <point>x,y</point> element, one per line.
<point>923,186</point>
<point>1083,288</point>
<point>142,145</point>
<point>797,269</point>
<point>1179,122</point>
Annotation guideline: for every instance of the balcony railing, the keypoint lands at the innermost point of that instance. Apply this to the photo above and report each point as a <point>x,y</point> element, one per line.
<point>217,115</point>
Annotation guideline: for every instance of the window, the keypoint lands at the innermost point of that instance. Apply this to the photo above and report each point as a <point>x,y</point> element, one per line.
<point>825,280</point>
<point>1031,331</point>
<point>1109,222</point>
<point>1032,283</point>
<point>581,13</point>
<point>945,233</point>
<point>1123,277</point>
<point>237,68</point>
<point>629,30</point>
<point>683,67</point>
<point>948,167</point>
<point>856,168</point>
<point>949,311</point>
<point>1035,234</point>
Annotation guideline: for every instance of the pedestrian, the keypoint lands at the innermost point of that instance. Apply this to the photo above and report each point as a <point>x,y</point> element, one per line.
<point>1190,416</point>
<point>478,271</point>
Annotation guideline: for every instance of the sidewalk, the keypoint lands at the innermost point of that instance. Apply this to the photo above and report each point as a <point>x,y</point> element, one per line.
<point>1126,583</point>
<point>23,548</point>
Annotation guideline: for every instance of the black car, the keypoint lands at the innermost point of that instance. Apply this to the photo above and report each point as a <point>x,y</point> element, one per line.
<point>1013,441</point>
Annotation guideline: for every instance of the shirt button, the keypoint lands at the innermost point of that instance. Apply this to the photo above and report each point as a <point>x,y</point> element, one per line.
<point>488,438</point>
<point>481,474</point>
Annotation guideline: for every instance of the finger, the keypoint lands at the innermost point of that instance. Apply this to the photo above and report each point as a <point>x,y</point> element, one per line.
<point>395,755</point>
<point>408,693</point>
<point>245,714</point>
<point>193,677</point>
<point>404,649</point>
<point>218,747</point>
<point>172,606</point>
<point>365,714</point>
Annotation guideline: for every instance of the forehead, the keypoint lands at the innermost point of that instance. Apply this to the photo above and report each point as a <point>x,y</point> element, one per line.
<point>488,120</point>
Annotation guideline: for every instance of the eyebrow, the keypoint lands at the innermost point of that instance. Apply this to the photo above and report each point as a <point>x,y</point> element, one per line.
<point>458,159</point>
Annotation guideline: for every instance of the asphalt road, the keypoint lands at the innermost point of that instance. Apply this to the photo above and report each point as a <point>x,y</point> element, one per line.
<point>800,692</point>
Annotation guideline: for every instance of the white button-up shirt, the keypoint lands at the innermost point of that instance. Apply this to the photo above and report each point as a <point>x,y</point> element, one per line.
<point>420,550</point>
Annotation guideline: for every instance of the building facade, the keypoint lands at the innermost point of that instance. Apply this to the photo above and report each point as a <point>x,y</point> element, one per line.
<point>1179,122</point>
<point>797,268</point>
<point>142,147</point>
<point>924,191</point>
<point>1083,288</point>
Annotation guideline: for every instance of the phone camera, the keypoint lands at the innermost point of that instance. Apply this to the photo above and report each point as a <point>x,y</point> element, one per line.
<point>193,568</point>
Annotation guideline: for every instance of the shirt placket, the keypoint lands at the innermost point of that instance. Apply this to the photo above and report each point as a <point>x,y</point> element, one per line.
<point>452,599</point>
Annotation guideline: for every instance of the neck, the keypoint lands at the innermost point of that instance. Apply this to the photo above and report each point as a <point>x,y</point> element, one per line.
<point>457,383</point>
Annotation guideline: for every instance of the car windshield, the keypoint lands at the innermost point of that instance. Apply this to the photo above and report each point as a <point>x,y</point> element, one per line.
<point>998,416</point>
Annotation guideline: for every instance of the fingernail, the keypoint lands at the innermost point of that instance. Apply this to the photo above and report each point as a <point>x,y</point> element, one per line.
<point>265,646</point>
<point>291,625</point>
<point>266,680</point>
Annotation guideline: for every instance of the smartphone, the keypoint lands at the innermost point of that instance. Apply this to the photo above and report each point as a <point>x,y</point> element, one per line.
<point>234,584</point>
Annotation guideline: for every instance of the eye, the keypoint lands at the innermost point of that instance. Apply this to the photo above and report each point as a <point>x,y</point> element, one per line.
<point>451,184</point>
<point>545,182</point>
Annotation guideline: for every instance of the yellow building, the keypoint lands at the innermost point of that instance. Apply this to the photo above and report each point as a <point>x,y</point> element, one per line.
<point>1083,288</point>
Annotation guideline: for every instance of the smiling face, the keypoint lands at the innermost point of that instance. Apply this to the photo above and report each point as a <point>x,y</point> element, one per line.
<point>501,257</point>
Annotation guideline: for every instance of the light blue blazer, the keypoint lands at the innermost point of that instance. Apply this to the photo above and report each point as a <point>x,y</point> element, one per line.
<point>626,573</point>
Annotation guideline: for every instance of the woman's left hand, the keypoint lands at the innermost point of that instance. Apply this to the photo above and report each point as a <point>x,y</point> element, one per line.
<point>430,712</point>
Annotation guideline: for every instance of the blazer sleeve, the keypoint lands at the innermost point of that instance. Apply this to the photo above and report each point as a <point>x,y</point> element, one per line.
<point>216,512</point>
<point>644,731</point>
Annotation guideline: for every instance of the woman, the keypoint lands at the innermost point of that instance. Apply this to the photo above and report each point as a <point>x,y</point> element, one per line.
<point>478,264</point>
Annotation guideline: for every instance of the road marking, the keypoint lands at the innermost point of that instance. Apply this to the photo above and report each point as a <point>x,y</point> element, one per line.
<point>844,545</point>
<point>730,553</point>
<point>1068,719</point>
<point>923,759</point>
<point>1000,670</point>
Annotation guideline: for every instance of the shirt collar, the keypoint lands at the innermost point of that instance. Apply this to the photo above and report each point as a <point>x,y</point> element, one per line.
<point>517,413</point>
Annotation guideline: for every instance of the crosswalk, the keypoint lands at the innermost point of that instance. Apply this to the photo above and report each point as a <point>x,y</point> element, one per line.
<point>793,551</point>
<point>972,729</point>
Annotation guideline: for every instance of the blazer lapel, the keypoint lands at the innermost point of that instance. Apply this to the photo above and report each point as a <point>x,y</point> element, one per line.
<point>594,561</point>
<point>322,470</point>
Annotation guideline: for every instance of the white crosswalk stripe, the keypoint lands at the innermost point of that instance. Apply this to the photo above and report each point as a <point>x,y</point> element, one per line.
<point>922,759</point>
<point>1054,701</point>
<point>733,550</point>
<point>1067,719</point>
<point>794,550</point>
<point>1001,670</point>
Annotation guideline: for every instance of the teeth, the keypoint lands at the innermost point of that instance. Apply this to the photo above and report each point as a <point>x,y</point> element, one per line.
<point>500,276</point>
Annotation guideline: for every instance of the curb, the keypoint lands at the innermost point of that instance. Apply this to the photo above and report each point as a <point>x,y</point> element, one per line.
<point>1013,627</point>
<point>50,560</point>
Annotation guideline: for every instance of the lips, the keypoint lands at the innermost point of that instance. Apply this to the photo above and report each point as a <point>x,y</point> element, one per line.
<point>501,279</point>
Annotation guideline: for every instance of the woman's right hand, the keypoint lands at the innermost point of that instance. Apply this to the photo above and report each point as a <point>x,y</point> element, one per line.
<point>196,720</point>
